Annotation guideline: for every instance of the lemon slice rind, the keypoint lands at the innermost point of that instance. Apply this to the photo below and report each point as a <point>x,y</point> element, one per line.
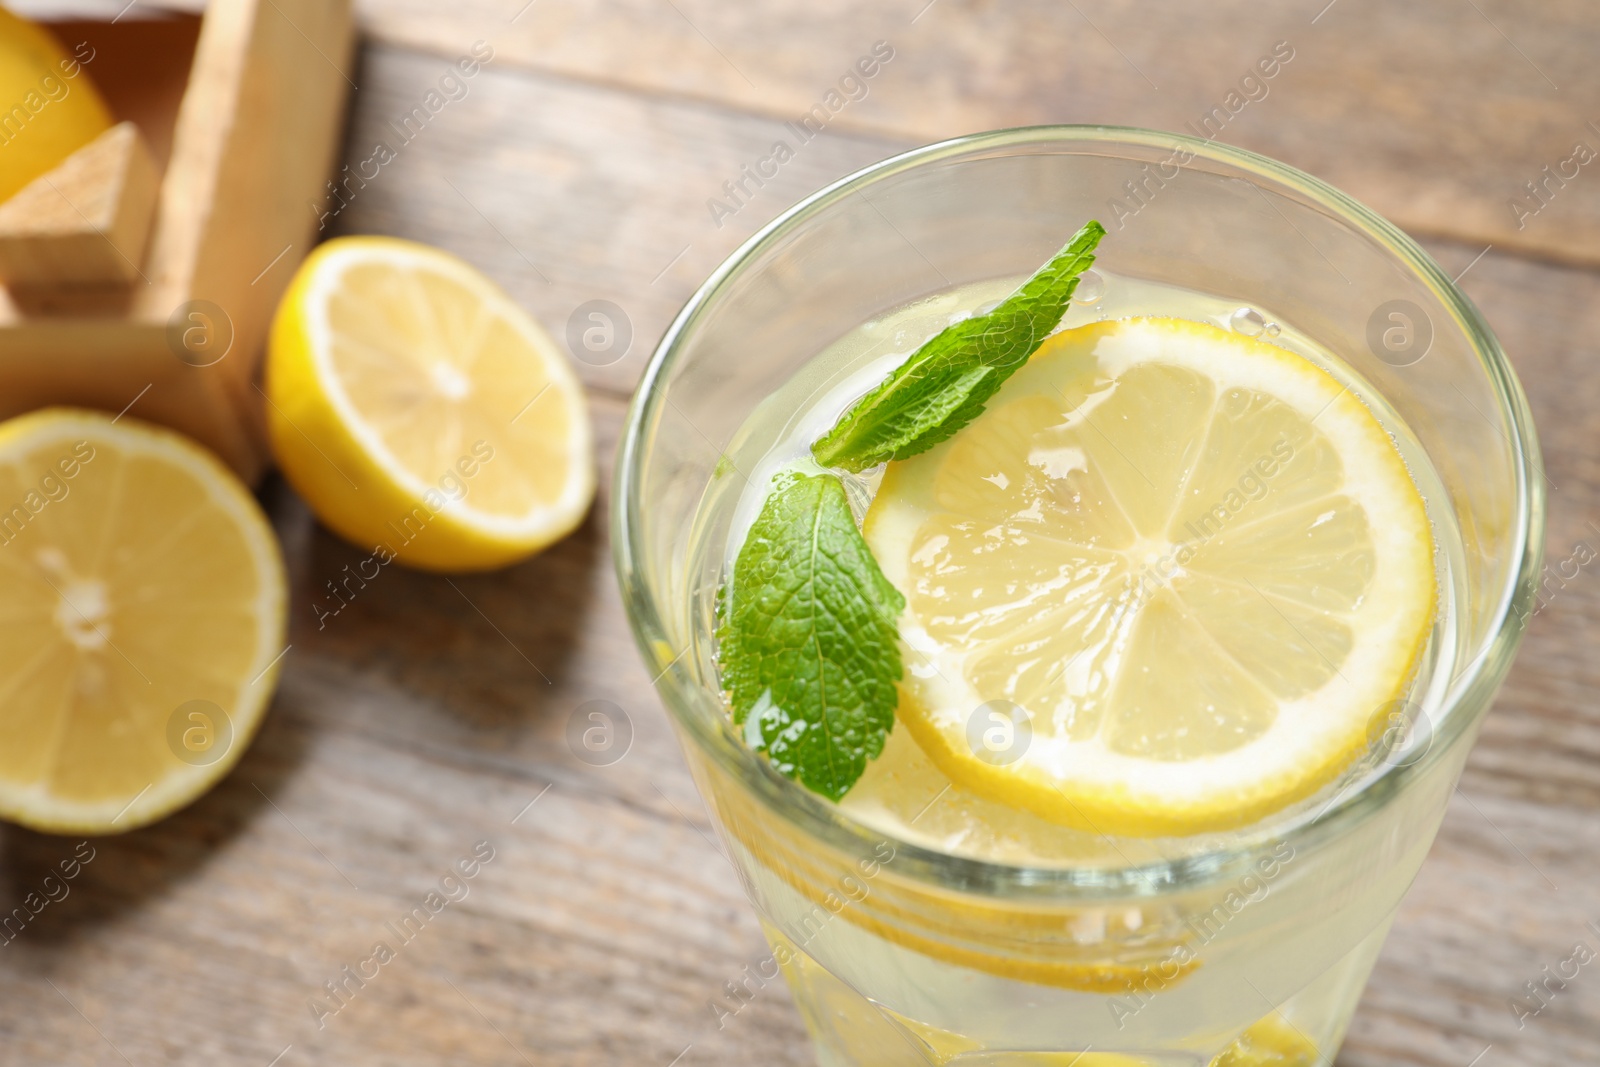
<point>1087,784</point>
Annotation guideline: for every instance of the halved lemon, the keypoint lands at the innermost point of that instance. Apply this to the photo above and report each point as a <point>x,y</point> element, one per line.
<point>142,622</point>
<point>421,412</point>
<point>1163,585</point>
<point>53,106</point>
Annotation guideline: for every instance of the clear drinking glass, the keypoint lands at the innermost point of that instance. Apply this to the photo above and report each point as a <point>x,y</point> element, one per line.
<point>899,954</point>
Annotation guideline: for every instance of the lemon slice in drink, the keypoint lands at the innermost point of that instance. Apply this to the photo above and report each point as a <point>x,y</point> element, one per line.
<point>1163,585</point>
<point>421,412</point>
<point>141,621</point>
<point>1271,1042</point>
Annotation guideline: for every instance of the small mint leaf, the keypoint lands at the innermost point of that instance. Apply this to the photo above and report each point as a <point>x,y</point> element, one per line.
<point>808,643</point>
<point>946,382</point>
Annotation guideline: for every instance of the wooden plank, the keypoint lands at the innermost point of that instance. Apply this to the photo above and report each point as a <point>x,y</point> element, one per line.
<point>66,364</point>
<point>254,141</point>
<point>591,194</point>
<point>1434,112</point>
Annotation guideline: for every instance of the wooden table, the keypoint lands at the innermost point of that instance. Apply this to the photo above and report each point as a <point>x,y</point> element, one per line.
<point>431,715</point>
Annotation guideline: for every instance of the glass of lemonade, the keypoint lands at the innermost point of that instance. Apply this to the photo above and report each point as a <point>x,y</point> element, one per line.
<point>948,909</point>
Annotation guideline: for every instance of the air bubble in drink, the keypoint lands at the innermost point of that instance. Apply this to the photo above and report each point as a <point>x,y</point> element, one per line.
<point>1247,321</point>
<point>1091,287</point>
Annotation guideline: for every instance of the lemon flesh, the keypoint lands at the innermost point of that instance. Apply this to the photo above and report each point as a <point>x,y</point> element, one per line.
<point>45,116</point>
<point>143,620</point>
<point>1162,586</point>
<point>420,412</point>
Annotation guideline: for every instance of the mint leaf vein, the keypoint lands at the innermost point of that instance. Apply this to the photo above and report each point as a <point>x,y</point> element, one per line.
<point>808,643</point>
<point>946,382</point>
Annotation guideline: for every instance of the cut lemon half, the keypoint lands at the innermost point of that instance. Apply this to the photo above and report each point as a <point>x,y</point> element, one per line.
<point>422,413</point>
<point>142,622</point>
<point>55,108</point>
<point>1163,585</point>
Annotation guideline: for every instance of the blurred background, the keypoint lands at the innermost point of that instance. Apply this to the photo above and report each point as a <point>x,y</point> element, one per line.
<point>608,154</point>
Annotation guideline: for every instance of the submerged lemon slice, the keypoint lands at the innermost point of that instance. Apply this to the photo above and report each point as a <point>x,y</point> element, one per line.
<point>1163,585</point>
<point>142,622</point>
<point>1271,1042</point>
<point>421,412</point>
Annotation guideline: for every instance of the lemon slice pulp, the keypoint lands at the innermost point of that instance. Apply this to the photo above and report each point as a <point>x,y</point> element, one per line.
<point>1163,585</point>
<point>143,621</point>
<point>418,409</point>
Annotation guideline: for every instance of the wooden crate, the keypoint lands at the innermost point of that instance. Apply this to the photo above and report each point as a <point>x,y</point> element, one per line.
<point>241,108</point>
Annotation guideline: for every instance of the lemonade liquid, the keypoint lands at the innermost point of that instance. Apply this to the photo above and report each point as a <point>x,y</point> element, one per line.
<point>1198,958</point>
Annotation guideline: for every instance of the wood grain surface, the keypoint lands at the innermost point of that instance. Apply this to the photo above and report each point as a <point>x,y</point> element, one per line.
<point>431,714</point>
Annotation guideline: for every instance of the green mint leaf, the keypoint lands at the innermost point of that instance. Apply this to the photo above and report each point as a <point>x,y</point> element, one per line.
<point>946,382</point>
<point>808,643</point>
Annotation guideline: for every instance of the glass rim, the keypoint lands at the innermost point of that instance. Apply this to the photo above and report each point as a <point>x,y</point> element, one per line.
<point>1478,680</point>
